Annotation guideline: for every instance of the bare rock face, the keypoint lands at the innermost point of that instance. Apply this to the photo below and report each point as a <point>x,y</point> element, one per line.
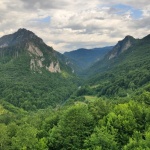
<point>37,60</point>
<point>112,55</point>
<point>126,46</point>
<point>34,50</point>
<point>54,67</point>
<point>3,45</point>
<point>35,64</point>
<point>121,47</point>
<point>36,55</point>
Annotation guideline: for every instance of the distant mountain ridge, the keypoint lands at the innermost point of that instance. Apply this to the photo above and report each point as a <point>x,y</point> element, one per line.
<point>84,58</point>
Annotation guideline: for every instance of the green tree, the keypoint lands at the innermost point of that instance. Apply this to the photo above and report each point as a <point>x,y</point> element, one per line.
<point>121,123</point>
<point>101,139</point>
<point>4,139</point>
<point>139,141</point>
<point>25,138</point>
<point>74,126</point>
<point>99,108</point>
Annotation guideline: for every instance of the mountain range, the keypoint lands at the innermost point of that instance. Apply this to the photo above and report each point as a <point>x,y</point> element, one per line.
<point>121,52</point>
<point>84,58</point>
<point>40,76</point>
<point>124,69</point>
<point>85,99</point>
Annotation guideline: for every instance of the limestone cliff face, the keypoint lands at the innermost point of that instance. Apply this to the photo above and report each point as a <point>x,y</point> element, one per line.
<point>127,45</point>
<point>37,59</point>
<point>121,47</point>
<point>36,64</point>
<point>54,67</point>
<point>38,56</point>
<point>3,45</point>
<point>34,50</point>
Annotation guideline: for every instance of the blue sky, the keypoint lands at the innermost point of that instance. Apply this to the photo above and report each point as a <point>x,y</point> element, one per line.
<point>71,24</point>
<point>42,19</point>
<point>46,19</point>
<point>122,9</point>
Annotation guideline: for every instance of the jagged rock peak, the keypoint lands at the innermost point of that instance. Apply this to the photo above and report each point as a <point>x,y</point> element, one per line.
<point>128,37</point>
<point>23,30</point>
<point>26,34</point>
<point>22,35</point>
<point>122,46</point>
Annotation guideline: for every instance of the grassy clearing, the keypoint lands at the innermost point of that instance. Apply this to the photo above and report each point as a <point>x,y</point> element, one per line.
<point>91,98</point>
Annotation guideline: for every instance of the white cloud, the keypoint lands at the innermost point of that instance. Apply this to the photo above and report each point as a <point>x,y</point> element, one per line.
<point>134,3</point>
<point>74,23</point>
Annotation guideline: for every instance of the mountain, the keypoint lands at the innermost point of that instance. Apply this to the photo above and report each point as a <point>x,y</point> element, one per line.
<point>32,73</point>
<point>42,108</point>
<point>81,59</point>
<point>24,41</point>
<point>127,71</point>
<point>113,55</point>
<point>121,46</point>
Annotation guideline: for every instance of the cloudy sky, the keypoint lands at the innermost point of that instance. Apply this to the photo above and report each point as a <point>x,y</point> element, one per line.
<point>71,24</point>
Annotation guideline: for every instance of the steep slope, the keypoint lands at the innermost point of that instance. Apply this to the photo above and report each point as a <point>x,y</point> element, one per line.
<point>112,56</point>
<point>121,47</point>
<point>128,71</point>
<point>84,58</point>
<point>31,73</point>
<point>24,41</point>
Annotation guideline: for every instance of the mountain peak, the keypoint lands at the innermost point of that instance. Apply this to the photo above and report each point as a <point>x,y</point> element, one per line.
<point>25,34</point>
<point>24,43</point>
<point>21,36</point>
<point>147,38</point>
<point>122,46</point>
<point>129,37</point>
<point>23,30</point>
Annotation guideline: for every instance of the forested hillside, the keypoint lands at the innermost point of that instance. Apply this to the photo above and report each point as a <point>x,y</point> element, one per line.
<point>82,59</point>
<point>44,106</point>
<point>31,74</point>
<point>122,75</point>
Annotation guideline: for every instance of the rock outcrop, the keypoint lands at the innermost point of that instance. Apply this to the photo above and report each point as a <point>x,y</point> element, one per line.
<point>121,47</point>
<point>54,67</point>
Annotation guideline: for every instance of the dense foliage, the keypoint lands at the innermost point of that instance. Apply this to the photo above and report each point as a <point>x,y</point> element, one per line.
<point>25,80</point>
<point>32,90</point>
<point>82,58</point>
<point>123,75</point>
<point>90,124</point>
<point>40,110</point>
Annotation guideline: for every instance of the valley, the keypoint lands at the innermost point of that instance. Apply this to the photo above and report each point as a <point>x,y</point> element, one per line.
<point>88,99</point>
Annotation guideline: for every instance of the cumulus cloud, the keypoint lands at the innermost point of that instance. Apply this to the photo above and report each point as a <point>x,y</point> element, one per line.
<point>72,24</point>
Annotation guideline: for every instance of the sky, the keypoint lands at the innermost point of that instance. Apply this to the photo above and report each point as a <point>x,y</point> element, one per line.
<point>71,24</point>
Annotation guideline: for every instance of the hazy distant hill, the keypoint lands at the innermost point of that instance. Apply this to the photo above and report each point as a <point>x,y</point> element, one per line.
<point>84,58</point>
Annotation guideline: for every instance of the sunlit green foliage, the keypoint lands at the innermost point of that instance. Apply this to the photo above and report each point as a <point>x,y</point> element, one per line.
<point>110,112</point>
<point>97,124</point>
